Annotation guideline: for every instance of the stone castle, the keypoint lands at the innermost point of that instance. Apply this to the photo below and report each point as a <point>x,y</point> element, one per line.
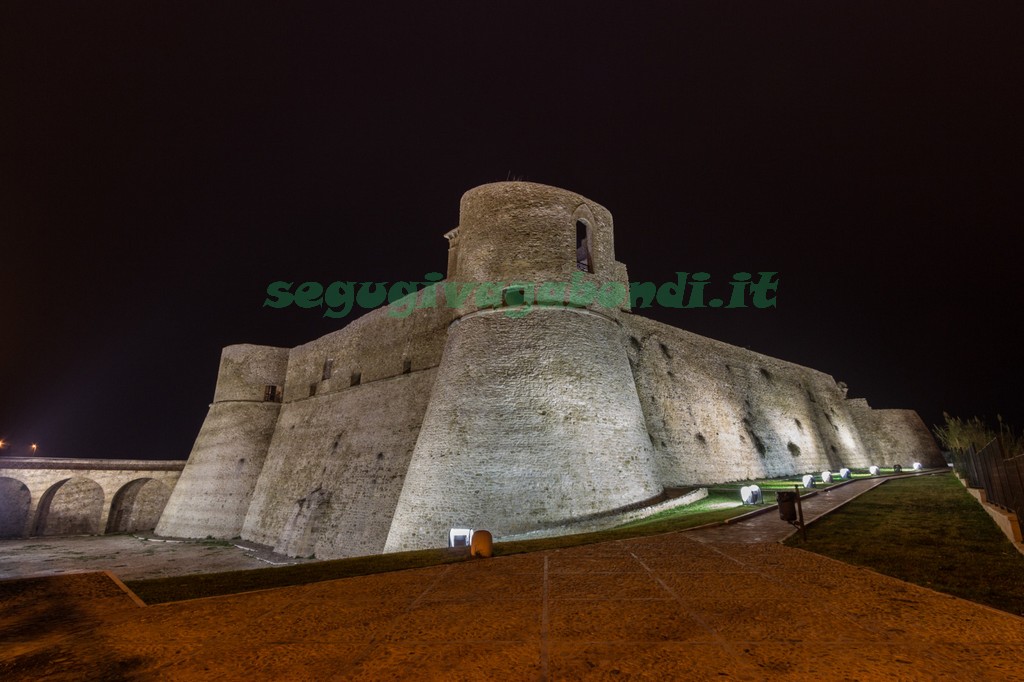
<point>384,435</point>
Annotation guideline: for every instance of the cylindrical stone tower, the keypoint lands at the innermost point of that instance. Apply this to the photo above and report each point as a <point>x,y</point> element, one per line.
<point>534,419</point>
<point>212,496</point>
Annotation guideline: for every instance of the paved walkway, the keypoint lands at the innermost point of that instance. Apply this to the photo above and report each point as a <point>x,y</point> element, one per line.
<point>681,606</point>
<point>768,527</point>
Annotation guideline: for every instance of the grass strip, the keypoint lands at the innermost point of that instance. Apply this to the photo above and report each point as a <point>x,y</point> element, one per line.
<point>714,508</point>
<point>929,531</point>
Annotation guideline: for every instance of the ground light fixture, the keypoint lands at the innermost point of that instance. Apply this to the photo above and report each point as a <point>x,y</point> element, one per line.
<point>460,537</point>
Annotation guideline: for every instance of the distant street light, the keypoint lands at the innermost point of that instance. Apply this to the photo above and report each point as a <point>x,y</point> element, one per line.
<point>34,448</point>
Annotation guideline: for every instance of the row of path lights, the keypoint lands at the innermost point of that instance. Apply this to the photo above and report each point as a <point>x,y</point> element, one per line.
<point>751,494</point>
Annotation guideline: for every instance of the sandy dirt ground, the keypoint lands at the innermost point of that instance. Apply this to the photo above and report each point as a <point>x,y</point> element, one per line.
<point>724,603</point>
<point>662,608</point>
<point>129,557</point>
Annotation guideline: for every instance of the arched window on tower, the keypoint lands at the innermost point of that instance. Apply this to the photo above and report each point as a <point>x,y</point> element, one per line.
<point>584,258</point>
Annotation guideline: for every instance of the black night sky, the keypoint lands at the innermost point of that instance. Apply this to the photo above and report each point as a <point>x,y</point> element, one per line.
<point>163,162</point>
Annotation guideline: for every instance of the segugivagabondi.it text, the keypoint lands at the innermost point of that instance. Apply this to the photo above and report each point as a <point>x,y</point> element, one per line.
<point>688,290</point>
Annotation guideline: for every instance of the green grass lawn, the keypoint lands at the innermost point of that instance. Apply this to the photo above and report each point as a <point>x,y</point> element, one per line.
<point>929,531</point>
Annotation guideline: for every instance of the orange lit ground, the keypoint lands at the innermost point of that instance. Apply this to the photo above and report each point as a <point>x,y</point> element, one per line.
<point>665,607</point>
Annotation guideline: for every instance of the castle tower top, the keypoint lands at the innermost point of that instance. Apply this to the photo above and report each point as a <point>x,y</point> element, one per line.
<point>523,231</point>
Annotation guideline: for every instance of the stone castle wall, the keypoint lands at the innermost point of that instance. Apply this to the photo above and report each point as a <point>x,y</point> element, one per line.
<point>376,346</point>
<point>353,404</point>
<point>336,468</point>
<point>393,430</point>
<point>521,232</point>
<point>720,413</point>
<point>215,489</point>
<point>896,436</point>
<point>514,230</point>
<point>533,421</point>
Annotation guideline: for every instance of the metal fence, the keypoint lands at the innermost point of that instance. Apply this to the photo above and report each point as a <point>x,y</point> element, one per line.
<point>1001,477</point>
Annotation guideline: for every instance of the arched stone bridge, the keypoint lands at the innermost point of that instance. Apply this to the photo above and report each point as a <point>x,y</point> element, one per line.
<point>40,496</point>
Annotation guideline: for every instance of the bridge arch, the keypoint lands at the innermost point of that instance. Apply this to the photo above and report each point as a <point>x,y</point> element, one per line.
<point>72,506</point>
<point>137,505</point>
<point>15,501</point>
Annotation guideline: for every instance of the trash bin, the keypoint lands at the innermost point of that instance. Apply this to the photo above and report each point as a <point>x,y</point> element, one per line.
<point>787,505</point>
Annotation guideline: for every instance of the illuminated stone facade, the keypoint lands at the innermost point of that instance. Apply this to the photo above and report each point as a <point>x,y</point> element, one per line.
<point>387,433</point>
